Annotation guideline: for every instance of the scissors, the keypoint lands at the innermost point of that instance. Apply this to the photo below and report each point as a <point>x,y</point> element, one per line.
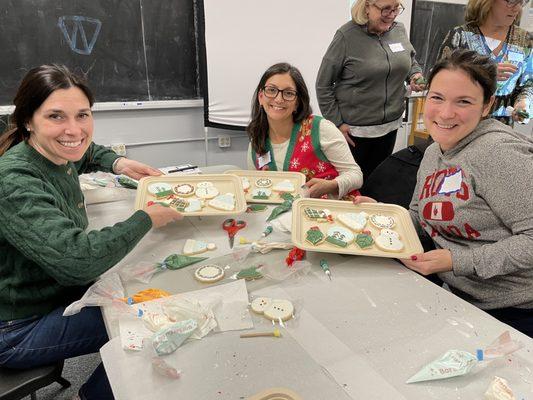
<point>232,227</point>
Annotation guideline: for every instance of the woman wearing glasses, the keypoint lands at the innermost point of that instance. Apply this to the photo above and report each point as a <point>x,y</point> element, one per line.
<point>361,82</point>
<point>285,136</point>
<point>491,29</point>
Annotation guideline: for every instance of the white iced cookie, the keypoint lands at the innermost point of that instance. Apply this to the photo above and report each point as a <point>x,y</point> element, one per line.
<point>207,192</point>
<point>261,193</point>
<point>382,221</point>
<point>224,202</point>
<point>260,304</point>
<point>209,273</point>
<point>160,189</point>
<point>284,186</point>
<point>196,247</point>
<point>339,236</point>
<point>204,184</point>
<point>184,190</point>
<point>389,242</point>
<point>279,310</point>
<point>194,205</point>
<point>355,221</point>
<point>390,232</point>
<point>263,182</point>
<point>245,183</point>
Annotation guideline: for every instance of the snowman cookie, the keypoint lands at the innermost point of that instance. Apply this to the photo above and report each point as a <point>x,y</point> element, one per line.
<point>160,189</point>
<point>224,202</point>
<point>204,184</point>
<point>284,186</point>
<point>263,182</point>
<point>355,221</point>
<point>389,241</point>
<point>382,221</point>
<point>209,273</point>
<point>206,192</point>
<point>339,236</point>
<point>184,190</point>
<point>260,304</point>
<point>279,310</point>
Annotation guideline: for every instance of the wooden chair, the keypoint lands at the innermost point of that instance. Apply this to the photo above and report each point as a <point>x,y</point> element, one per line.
<point>417,124</point>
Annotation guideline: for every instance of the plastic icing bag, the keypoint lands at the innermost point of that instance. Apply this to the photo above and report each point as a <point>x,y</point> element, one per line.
<point>452,363</point>
<point>167,340</point>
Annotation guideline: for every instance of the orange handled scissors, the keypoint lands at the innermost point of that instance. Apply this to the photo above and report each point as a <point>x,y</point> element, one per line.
<point>232,227</point>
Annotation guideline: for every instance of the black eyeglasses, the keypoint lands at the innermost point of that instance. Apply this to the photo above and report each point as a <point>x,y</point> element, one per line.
<point>512,3</point>
<point>287,94</point>
<point>388,11</point>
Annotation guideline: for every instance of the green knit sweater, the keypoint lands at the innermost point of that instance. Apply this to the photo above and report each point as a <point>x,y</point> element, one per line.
<point>45,252</point>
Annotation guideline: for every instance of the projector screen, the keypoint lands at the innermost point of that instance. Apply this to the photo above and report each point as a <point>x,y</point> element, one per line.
<point>244,37</point>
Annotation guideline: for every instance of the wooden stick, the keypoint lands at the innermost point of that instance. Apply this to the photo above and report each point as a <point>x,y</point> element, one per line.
<point>275,333</point>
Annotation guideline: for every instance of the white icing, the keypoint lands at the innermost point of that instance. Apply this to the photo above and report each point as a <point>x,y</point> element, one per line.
<point>340,233</point>
<point>184,189</point>
<point>389,243</point>
<point>259,304</point>
<point>159,187</point>
<point>382,221</point>
<point>354,221</point>
<point>284,186</point>
<point>263,182</point>
<point>206,192</point>
<point>390,232</point>
<point>245,183</point>
<point>209,273</point>
<point>194,247</point>
<point>279,310</point>
<point>204,184</point>
<point>225,202</point>
<point>194,205</point>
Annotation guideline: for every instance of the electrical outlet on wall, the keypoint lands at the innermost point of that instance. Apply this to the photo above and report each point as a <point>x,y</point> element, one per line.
<point>119,148</point>
<point>224,141</point>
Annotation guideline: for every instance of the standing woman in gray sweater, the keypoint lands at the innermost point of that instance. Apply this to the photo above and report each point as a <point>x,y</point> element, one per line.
<point>361,82</point>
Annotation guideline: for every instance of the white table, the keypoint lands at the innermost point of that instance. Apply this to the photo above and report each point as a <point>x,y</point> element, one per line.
<point>359,336</point>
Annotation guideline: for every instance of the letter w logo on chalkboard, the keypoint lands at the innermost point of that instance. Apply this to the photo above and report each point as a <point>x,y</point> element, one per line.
<point>76,24</point>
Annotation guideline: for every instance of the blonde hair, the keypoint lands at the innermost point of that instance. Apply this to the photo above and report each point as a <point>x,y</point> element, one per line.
<point>359,14</point>
<point>477,11</point>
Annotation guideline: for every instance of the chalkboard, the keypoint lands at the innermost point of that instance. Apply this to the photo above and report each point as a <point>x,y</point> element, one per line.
<point>429,26</point>
<point>130,50</point>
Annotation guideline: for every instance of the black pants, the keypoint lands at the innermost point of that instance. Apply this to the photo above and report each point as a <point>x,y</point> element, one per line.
<point>370,152</point>
<point>519,318</point>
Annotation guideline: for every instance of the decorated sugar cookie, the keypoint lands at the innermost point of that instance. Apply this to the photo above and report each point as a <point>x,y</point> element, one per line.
<point>390,232</point>
<point>355,221</point>
<point>364,240</point>
<point>245,183</point>
<point>382,221</point>
<point>160,189</point>
<point>194,205</point>
<point>184,190</point>
<point>179,204</point>
<point>314,236</point>
<point>224,202</point>
<point>317,215</point>
<point>284,186</point>
<point>209,273</point>
<point>204,184</point>
<point>261,193</point>
<point>279,310</point>
<point>207,192</point>
<point>259,304</point>
<point>250,273</point>
<point>388,242</point>
<point>196,247</point>
<point>263,182</point>
<point>339,236</point>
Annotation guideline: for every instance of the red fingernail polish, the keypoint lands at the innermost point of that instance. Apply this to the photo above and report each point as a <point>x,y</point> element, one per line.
<point>413,258</point>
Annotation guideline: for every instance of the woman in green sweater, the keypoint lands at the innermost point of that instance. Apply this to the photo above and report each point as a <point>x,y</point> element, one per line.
<point>46,257</point>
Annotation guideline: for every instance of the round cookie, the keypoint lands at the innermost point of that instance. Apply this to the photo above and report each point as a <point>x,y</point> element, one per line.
<point>279,310</point>
<point>263,182</point>
<point>389,243</point>
<point>260,304</point>
<point>207,192</point>
<point>382,221</point>
<point>204,184</point>
<point>209,273</point>
<point>184,190</point>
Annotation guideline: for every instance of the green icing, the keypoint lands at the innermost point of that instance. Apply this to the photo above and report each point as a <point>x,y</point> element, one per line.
<point>336,241</point>
<point>314,236</point>
<point>250,273</point>
<point>363,240</point>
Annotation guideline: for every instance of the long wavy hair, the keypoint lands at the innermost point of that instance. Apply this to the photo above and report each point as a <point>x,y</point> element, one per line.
<point>39,83</point>
<point>477,11</point>
<point>258,127</point>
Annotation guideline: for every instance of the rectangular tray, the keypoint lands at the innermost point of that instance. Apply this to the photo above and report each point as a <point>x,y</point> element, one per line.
<point>296,178</point>
<point>223,182</point>
<point>404,227</point>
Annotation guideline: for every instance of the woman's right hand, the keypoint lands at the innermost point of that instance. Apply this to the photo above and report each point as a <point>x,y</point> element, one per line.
<point>161,215</point>
<point>363,199</point>
<point>505,71</point>
<point>345,130</point>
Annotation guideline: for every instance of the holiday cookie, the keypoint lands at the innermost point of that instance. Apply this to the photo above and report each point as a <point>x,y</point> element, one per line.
<point>184,190</point>
<point>204,184</point>
<point>196,247</point>
<point>207,192</point>
<point>390,232</point>
<point>279,310</point>
<point>317,215</point>
<point>382,221</point>
<point>250,273</point>
<point>194,205</point>
<point>179,204</point>
<point>160,189</point>
<point>209,273</point>
<point>364,240</point>
<point>339,236</point>
<point>260,304</point>
<point>263,182</point>
<point>261,194</point>
<point>283,186</point>
<point>389,243</point>
<point>355,221</point>
<point>245,183</point>
<point>224,202</point>
<point>314,236</point>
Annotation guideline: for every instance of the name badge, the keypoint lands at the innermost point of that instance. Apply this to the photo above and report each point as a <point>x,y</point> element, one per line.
<point>451,183</point>
<point>264,160</point>
<point>396,47</point>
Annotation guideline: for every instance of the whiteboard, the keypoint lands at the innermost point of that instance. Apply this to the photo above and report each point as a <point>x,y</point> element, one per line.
<point>245,37</point>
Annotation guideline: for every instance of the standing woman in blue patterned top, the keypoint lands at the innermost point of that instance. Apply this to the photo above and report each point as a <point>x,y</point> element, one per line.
<point>491,29</point>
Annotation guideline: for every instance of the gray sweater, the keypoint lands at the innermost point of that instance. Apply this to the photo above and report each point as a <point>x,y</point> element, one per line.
<point>487,223</point>
<point>361,79</point>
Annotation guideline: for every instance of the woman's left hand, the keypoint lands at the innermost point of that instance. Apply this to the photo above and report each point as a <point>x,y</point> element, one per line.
<point>134,169</point>
<point>428,263</point>
<point>520,105</point>
<point>319,187</point>
<point>417,87</point>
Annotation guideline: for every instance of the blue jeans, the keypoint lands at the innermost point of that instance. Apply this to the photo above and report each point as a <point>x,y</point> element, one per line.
<point>36,341</point>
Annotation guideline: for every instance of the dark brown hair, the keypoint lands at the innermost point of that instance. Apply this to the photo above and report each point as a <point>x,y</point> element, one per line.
<point>36,86</point>
<point>258,127</point>
<point>481,69</point>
